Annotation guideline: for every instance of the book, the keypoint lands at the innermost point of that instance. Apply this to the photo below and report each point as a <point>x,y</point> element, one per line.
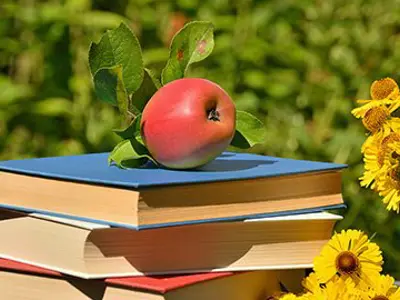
<point>23,281</point>
<point>234,186</point>
<point>89,250</point>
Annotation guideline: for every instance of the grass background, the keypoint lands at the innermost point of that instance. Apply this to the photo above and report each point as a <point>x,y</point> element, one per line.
<point>297,65</point>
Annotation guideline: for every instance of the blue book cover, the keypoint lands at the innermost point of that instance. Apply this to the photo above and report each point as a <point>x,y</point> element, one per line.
<point>94,169</point>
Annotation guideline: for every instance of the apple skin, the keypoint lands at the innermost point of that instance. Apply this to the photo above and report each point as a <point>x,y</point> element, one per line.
<point>188,123</point>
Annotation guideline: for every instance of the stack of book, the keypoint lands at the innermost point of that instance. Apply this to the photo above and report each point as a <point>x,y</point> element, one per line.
<point>242,227</point>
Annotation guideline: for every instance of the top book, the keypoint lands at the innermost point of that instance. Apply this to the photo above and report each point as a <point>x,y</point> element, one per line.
<point>234,186</point>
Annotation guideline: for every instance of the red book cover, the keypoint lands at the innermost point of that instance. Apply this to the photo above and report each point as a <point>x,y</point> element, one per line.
<point>6,264</point>
<point>160,284</point>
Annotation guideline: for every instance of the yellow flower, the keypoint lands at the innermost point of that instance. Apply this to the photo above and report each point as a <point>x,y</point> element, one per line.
<point>388,127</point>
<point>374,157</point>
<point>337,290</point>
<point>388,180</point>
<point>376,113</point>
<point>368,109</point>
<point>381,289</point>
<point>349,255</point>
<point>382,168</point>
<point>383,89</point>
<point>377,118</point>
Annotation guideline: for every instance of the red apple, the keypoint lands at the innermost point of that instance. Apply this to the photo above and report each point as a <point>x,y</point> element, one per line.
<point>188,122</point>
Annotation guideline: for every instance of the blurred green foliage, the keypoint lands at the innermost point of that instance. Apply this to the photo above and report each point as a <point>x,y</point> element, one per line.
<point>297,65</point>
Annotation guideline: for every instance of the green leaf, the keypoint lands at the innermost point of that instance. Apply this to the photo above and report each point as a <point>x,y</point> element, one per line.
<point>119,47</point>
<point>193,43</point>
<point>249,131</point>
<point>110,88</point>
<point>149,86</point>
<point>130,154</point>
<point>133,130</point>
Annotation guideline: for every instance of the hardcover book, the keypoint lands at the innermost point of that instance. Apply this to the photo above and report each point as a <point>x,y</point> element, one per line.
<point>235,186</point>
<point>23,281</point>
<point>89,250</point>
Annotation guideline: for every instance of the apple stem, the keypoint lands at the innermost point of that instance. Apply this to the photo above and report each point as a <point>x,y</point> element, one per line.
<point>213,115</point>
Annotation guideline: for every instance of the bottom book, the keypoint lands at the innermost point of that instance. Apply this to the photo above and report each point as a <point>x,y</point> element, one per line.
<point>23,281</point>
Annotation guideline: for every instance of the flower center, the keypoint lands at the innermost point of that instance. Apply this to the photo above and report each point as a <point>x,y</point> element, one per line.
<point>380,297</point>
<point>384,147</point>
<point>384,88</point>
<point>347,263</point>
<point>375,118</point>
